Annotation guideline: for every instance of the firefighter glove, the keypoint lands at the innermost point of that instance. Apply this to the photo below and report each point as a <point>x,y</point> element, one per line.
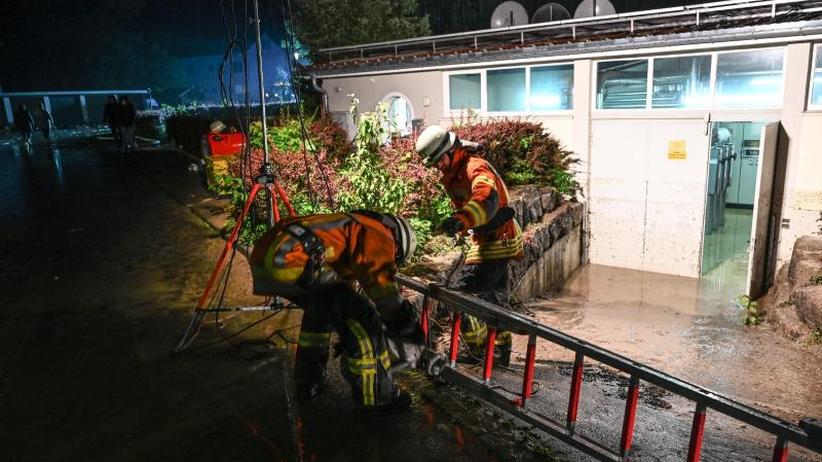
<point>451,226</point>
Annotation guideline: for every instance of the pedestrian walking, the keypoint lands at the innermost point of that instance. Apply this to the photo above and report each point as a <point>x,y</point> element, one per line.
<point>314,261</point>
<point>45,122</point>
<point>480,198</point>
<point>110,117</point>
<point>126,116</point>
<point>24,123</point>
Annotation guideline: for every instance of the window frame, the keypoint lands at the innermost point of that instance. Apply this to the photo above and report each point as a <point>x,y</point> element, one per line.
<point>715,68</point>
<point>809,106</point>
<point>483,111</point>
<point>446,85</point>
<point>712,92</point>
<point>528,90</point>
<point>595,82</point>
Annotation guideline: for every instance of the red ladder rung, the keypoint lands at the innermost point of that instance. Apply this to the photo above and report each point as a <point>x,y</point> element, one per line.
<point>697,431</point>
<point>530,361</point>
<point>630,417</point>
<point>573,399</point>
<point>489,354</point>
<point>424,315</point>
<point>456,322</point>
<point>780,451</point>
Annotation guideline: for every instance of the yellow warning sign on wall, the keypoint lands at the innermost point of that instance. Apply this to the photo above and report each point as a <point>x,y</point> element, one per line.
<point>676,150</point>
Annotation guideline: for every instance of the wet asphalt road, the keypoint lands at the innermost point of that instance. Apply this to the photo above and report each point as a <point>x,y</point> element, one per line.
<point>99,271</point>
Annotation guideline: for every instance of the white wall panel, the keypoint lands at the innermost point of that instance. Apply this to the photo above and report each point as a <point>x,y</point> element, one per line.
<point>647,209</point>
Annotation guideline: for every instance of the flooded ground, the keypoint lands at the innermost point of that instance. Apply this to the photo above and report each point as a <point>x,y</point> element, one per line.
<point>101,264</point>
<point>690,328</point>
<point>99,271</point>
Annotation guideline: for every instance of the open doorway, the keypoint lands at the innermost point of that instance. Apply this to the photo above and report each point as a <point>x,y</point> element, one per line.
<point>732,169</point>
<point>737,230</point>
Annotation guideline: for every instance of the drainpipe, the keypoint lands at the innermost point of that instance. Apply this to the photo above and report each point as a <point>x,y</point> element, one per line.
<point>322,91</point>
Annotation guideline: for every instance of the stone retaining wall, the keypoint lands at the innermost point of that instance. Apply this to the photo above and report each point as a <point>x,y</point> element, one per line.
<point>553,244</point>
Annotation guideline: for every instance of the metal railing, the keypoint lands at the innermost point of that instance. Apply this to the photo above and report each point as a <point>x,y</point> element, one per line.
<point>498,318</point>
<point>728,13</point>
<point>10,98</point>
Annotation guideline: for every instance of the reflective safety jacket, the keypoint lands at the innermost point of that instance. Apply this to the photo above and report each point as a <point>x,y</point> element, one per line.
<point>356,248</point>
<point>478,192</point>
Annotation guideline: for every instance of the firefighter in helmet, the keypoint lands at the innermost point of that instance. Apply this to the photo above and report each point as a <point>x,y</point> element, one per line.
<point>480,198</point>
<point>313,261</point>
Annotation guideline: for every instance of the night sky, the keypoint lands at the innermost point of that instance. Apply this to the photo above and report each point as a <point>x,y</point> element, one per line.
<point>96,44</point>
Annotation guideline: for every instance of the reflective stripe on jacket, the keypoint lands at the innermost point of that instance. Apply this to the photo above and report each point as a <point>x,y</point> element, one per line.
<point>358,248</point>
<point>478,192</point>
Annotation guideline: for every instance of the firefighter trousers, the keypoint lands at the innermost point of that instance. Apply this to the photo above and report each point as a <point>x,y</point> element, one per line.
<point>488,281</point>
<point>365,361</point>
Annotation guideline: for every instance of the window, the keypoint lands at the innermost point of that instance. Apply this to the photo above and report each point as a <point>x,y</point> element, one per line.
<point>622,84</point>
<point>464,91</point>
<point>816,83</point>
<point>506,90</point>
<point>552,88</point>
<point>399,115</point>
<point>682,82</point>
<point>749,79</point>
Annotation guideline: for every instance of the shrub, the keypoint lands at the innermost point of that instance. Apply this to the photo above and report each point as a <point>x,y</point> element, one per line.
<point>522,152</point>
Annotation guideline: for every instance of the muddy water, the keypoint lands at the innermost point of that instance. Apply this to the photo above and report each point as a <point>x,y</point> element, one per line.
<point>691,328</point>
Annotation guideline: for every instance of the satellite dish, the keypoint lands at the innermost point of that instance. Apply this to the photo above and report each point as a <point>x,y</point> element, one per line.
<point>589,8</point>
<point>509,14</point>
<point>550,12</point>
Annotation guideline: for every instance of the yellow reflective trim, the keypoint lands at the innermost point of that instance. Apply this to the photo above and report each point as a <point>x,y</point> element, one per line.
<point>268,261</point>
<point>477,212</point>
<point>359,365</point>
<point>314,339</point>
<point>385,359</point>
<point>366,353</point>
<point>286,274</point>
<point>484,180</point>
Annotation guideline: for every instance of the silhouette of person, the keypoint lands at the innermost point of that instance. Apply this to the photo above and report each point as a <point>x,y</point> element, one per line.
<point>110,116</point>
<point>24,123</point>
<point>126,117</point>
<point>45,122</point>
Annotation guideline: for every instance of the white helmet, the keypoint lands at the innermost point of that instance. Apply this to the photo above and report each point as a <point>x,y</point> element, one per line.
<point>404,236</point>
<point>433,142</point>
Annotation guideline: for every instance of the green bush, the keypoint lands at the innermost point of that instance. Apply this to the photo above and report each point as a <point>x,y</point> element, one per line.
<point>522,152</point>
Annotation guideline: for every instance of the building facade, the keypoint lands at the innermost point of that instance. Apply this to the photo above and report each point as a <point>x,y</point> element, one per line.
<point>699,128</point>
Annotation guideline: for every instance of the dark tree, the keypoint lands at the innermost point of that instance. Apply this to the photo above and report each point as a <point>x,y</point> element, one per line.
<point>329,23</point>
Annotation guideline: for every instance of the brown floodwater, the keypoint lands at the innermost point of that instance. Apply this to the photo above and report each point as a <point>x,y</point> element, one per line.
<point>690,328</point>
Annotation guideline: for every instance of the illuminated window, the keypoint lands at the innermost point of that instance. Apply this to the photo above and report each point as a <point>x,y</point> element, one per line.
<point>749,79</point>
<point>816,85</point>
<point>506,90</point>
<point>552,88</point>
<point>682,82</point>
<point>622,84</point>
<point>465,91</point>
<point>399,115</point>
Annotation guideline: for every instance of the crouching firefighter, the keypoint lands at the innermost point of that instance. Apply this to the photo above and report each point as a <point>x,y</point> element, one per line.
<point>480,198</point>
<point>314,261</point>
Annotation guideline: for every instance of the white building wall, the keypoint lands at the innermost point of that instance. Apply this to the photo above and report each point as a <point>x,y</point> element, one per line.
<point>803,184</point>
<point>422,89</point>
<point>646,210</point>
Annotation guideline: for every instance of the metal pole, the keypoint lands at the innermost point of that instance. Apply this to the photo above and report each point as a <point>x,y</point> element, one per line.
<point>266,164</point>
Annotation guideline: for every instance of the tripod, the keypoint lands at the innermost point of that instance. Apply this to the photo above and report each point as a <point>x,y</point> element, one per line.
<point>264,181</point>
